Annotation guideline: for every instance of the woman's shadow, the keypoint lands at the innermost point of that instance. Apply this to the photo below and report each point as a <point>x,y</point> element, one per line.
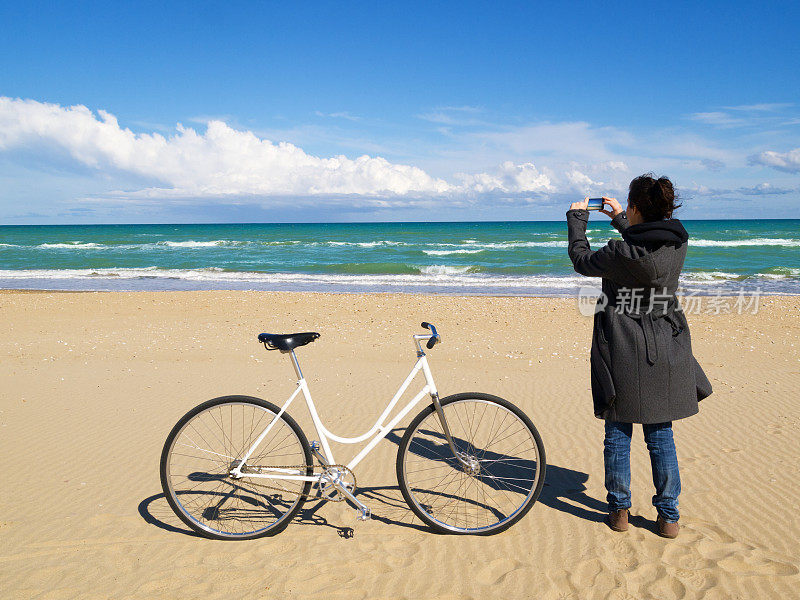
<point>564,490</point>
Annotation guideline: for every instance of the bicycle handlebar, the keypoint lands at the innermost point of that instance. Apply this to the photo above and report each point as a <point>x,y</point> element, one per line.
<point>434,335</point>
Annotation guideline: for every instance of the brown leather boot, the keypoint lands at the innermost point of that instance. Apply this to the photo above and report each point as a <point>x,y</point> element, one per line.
<point>618,519</point>
<point>666,529</point>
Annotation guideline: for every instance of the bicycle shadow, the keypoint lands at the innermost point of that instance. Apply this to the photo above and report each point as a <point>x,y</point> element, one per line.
<point>154,510</point>
<point>564,490</point>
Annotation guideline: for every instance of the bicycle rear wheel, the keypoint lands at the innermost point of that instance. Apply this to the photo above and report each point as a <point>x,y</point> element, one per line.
<point>204,446</point>
<point>505,473</point>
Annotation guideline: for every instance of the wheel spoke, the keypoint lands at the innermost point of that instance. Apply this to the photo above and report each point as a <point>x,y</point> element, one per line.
<point>503,472</point>
<point>199,459</point>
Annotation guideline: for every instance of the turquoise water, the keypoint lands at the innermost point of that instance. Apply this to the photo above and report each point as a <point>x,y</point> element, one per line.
<point>498,258</point>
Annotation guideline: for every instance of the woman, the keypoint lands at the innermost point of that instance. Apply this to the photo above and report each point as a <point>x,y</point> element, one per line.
<point>642,367</point>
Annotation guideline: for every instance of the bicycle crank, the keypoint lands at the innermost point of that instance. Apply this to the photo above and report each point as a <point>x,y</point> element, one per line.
<point>338,478</point>
<point>332,479</point>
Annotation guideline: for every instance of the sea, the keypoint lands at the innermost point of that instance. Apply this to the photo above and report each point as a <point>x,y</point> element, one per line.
<point>520,258</point>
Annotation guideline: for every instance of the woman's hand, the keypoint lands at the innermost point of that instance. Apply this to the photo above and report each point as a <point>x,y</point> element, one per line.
<point>616,207</point>
<point>580,205</point>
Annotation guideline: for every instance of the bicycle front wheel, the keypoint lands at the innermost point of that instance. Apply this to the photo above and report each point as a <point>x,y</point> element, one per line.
<point>503,475</point>
<point>211,440</point>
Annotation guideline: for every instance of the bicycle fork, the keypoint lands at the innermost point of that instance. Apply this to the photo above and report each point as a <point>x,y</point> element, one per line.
<point>470,464</point>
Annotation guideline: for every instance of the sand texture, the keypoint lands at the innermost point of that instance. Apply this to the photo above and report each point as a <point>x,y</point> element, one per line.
<point>93,382</point>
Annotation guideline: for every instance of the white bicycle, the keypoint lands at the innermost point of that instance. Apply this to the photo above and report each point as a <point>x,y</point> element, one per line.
<point>239,467</point>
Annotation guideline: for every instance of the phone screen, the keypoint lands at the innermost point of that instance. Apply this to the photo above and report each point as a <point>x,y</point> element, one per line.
<point>595,204</point>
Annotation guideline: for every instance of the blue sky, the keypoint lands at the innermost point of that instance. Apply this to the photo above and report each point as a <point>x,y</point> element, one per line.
<point>199,112</point>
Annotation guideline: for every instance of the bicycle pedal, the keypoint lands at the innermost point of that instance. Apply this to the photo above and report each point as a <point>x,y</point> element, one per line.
<point>363,514</point>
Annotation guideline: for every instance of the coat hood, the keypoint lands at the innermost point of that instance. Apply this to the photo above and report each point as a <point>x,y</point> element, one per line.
<point>654,252</point>
<point>670,231</point>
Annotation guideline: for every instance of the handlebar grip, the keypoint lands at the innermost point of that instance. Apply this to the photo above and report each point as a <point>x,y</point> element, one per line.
<point>434,338</point>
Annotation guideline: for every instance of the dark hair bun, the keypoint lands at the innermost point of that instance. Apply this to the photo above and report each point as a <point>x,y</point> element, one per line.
<point>654,198</point>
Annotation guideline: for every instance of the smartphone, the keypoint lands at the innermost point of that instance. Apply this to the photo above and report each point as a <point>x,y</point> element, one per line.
<point>595,204</point>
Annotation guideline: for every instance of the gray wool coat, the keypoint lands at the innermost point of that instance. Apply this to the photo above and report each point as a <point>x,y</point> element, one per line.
<point>642,366</point>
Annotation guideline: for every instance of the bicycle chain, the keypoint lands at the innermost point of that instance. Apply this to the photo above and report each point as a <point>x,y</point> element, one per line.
<point>338,498</point>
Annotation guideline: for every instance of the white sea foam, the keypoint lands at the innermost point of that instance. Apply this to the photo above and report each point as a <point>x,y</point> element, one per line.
<point>504,245</point>
<point>446,252</point>
<point>72,245</point>
<point>194,244</point>
<point>748,242</point>
<point>782,273</point>
<point>432,275</point>
<point>367,244</point>
<point>700,276</point>
<point>461,279</point>
<point>465,273</point>
<point>439,270</point>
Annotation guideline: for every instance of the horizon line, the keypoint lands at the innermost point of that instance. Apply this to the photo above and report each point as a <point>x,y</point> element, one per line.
<point>356,222</point>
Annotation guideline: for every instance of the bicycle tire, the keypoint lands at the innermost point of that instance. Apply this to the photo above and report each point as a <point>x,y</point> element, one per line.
<point>171,493</point>
<point>432,441</point>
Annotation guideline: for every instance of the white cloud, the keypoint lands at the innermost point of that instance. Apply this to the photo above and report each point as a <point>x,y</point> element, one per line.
<point>761,107</point>
<point>451,116</point>
<point>226,162</point>
<point>574,140</point>
<point>783,161</point>
<point>720,119</point>
<point>338,115</point>
<point>508,178</point>
<point>766,189</point>
<point>582,181</point>
<point>222,161</point>
<point>761,189</point>
<point>759,116</point>
<point>712,165</point>
<point>463,108</point>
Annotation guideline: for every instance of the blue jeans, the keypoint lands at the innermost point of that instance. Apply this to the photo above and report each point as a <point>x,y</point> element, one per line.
<point>663,459</point>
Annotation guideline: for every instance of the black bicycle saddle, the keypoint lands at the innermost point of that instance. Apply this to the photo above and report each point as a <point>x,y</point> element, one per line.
<point>286,341</point>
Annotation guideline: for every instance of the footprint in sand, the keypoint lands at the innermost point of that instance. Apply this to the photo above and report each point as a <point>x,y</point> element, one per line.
<point>664,587</point>
<point>397,554</point>
<point>704,546</point>
<point>623,557</point>
<point>320,582</point>
<point>698,457</point>
<point>592,574</point>
<point>696,580</point>
<point>496,571</point>
<point>754,562</point>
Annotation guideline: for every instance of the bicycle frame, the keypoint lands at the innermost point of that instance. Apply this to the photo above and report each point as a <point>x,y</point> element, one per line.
<point>378,431</point>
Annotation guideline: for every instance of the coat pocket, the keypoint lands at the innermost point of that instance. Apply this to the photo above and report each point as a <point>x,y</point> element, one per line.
<point>702,383</point>
<point>603,390</point>
<point>684,339</point>
<point>601,320</point>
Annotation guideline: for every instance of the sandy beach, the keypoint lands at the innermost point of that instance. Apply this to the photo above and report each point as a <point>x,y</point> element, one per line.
<point>93,382</point>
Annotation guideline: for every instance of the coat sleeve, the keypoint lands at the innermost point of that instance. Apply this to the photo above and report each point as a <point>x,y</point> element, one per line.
<point>587,262</point>
<point>620,222</point>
